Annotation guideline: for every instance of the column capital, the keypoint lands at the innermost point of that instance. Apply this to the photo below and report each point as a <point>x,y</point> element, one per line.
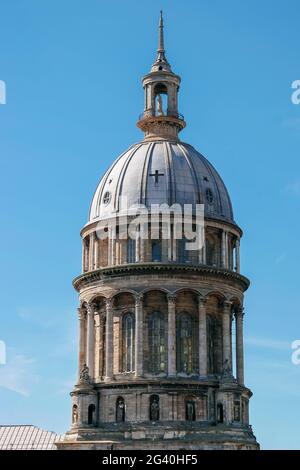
<point>81,313</point>
<point>227,305</point>
<point>109,303</point>
<point>202,301</point>
<point>139,300</point>
<point>172,298</point>
<point>239,313</point>
<point>91,308</point>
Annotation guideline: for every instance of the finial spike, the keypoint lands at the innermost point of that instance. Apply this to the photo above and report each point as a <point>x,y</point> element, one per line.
<point>161,62</point>
<point>161,47</point>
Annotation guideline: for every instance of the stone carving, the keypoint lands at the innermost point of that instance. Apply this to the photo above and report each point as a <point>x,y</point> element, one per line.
<point>109,303</point>
<point>236,411</point>
<point>154,409</point>
<point>91,308</point>
<point>239,314</point>
<point>81,313</point>
<point>75,415</point>
<point>172,299</point>
<point>190,411</point>
<point>226,369</point>
<point>159,106</point>
<point>84,376</point>
<point>139,300</point>
<point>120,414</point>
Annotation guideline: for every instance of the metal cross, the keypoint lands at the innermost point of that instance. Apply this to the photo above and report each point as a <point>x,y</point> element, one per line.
<point>156,175</point>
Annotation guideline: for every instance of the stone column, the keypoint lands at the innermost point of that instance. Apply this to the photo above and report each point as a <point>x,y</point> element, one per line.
<point>226,333</point>
<point>97,345</point>
<point>91,251</point>
<point>124,251</point>
<point>143,249</point>
<point>144,239</point>
<point>137,249</point>
<point>174,248</point>
<point>202,251</point>
<point>83,255</point>
<point>81,353</point>
<point>90,350</point>
<point>237,254</point>
<point>224,250</point>
<point>111,255</point>
<point>227,250</point>
<point>204,247</point>
<point>96,254</point>
<point>202,338</point>
<point>170,249</point>
<point>139,336</point>
<point>171,335</point>
<point>113,252</point>
<point>109,351</point>
<point>239,347</point>
<point>117,252</point>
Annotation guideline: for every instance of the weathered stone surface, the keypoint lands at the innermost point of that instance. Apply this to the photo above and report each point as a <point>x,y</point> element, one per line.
<point>156,320</point>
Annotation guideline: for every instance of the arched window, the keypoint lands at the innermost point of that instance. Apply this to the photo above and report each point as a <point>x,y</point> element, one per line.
<point>157,343</point>
<point>190,411</point>
<point>156,250</point>
<point>185,343</point>
<point>220,413</point>
<point>128,338</point>
<point>154,408</point>
<point>120,410</point>
<point>131,249</point>
<point>91,413</point>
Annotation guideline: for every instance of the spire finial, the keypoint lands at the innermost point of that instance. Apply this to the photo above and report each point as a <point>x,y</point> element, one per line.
<point>161,47</point>
<point>161,62</point>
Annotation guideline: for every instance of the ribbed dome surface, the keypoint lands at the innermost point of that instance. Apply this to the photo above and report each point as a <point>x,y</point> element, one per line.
<point>161,172</point>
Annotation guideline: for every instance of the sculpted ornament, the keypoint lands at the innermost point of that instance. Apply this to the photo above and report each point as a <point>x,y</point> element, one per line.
<point>84,377</point>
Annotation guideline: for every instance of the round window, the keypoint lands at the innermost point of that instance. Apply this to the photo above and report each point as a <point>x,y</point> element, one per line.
<point>209,196</point>
<point>106,198</point>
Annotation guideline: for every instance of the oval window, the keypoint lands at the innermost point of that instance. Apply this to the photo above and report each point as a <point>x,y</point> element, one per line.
<point>106,198</point>
<point>209,196</point>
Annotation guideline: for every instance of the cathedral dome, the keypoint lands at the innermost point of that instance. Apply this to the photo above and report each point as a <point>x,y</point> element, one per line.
<point>161,172</point>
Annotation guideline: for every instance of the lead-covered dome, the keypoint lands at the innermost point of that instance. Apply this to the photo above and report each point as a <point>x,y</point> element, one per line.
<point>161,172</point>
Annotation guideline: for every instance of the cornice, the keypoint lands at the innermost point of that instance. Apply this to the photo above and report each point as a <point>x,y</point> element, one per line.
<point>141,269</point>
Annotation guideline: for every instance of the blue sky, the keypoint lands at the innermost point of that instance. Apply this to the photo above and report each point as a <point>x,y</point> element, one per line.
<point>72,71</point>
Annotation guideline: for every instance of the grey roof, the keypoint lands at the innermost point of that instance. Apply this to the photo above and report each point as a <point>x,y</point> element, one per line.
<point>27,438</point>
<point>186,177</point>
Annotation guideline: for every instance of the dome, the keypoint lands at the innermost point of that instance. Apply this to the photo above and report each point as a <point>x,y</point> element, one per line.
<point>161,172</point>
